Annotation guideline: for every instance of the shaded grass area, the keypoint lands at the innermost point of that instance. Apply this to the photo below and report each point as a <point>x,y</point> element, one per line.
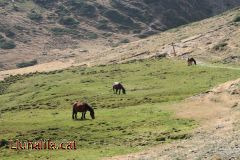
<point>39,107</point>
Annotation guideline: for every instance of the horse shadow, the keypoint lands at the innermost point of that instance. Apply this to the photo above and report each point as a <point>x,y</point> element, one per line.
<point>79,119</point>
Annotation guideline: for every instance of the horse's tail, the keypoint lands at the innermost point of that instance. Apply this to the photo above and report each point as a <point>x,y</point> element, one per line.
<point>73,110</point>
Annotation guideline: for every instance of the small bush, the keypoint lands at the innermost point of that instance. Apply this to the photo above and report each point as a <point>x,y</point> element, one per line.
<point>62,10</point>
<point>9,33</point>
<point>102,24</point>
<point>1,37</point>
<point>220,46</point>
<point>91,35</point>
<point>124,41</point>
<point>64,31</point>
<point>35,16</point>
<point>7,44</point>
<point>27,64</point>
<point>236,19</point>
<point>70,21</point>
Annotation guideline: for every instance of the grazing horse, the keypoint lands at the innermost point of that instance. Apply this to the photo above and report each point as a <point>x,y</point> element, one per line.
<point>117,87</point>
<point>82,107</point>
<point>191,61</point>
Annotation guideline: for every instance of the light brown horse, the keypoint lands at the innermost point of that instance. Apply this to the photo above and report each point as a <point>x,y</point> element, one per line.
<point>82,107</point>
<point>191,61</point>
<point>117,87</point>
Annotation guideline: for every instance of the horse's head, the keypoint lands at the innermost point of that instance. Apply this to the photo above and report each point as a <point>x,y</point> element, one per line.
<point>124,91</point>
<point>92,114</point>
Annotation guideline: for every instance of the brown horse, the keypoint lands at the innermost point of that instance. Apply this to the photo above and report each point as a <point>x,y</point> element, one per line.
<point>82,107</point>
<point>117,87</point>
<point>191,61</point>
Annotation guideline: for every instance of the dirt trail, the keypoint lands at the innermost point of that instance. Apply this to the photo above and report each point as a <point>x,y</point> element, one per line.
<point>218,136</point>
<point>46,67</point>
<point>215,66</point>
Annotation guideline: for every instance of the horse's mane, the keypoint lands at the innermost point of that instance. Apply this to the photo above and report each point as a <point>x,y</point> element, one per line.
<point>90,108</point>
<point>122,87</point>
<point>75,103</point>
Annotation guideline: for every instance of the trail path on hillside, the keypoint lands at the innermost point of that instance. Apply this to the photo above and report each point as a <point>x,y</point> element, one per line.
<point>218,136</point>
<point>216,66</point>
<point>58,65</point>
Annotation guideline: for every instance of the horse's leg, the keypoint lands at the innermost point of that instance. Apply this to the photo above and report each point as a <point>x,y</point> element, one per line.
<point>84,115</point>
<point>113,90</point>
<point>119,91</point>
<point>73,114</point>
<point>76,115</point>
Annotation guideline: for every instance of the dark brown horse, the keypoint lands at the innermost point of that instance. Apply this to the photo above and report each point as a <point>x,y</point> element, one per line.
<point>191,61</point>
<point>117,87</point>
<point>82,107</point>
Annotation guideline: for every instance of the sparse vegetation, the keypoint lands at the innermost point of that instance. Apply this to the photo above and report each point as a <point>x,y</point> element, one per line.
<point>27,63</point>
<point>6,44</point>
<point>9,33</point>
<point>64,31</point>
<point>119,18</point>
<point>83,8</point>
<point>33,15</point>
<point>220,46</point>
<point>91,35</point>
<point>69,21</point>
<point>237,19</point>
<point>103,24</point>
<point>8,81</point>
<point>63,11</point>
<point>45,3</point>
<point>132,11</point>
<point>125,40</point>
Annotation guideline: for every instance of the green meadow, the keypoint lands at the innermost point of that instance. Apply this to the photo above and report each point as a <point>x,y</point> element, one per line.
<point>39,106</point>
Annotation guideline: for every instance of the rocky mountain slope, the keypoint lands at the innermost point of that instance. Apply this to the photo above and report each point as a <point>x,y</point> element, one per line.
<point>39,31</point>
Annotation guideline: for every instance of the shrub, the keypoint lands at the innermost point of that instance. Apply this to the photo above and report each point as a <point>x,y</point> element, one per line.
<point>7,44</point>
<point>82,8</point>
<point>62,10</point>
<point>66,20</point>
<point>125,41</point>
<point>9,33</point>
<point>236,19</point>
<point>35,16</point>
<point>64,31</point>
<point>45,3</point>
<point>119,18</point>
<point>27,64</point>
<point>220,46</point>
<point>91,35</point>
<point>102,24</point>
<point>1,37</point>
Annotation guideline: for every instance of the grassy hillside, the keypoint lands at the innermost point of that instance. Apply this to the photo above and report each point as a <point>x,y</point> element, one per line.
<point>38,106</point>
